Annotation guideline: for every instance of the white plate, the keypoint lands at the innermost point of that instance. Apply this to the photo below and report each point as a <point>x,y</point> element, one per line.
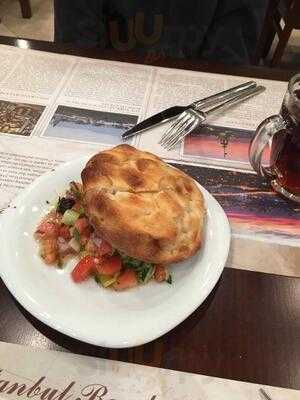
<point>85,311</point>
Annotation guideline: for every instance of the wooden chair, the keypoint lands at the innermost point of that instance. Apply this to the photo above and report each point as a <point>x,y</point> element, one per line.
<point>286,11</point>
<point>25,8</point>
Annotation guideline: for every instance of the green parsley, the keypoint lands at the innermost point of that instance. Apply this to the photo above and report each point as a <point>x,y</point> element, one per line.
<point>145,272</point>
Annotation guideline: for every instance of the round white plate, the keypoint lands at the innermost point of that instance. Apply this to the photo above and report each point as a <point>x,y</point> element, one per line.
<point>86,311</point>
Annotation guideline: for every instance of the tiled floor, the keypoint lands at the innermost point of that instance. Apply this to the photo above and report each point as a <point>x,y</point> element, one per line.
<point>41,27</point>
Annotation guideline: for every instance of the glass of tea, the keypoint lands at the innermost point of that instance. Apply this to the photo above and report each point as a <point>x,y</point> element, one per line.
<point>282,131</point>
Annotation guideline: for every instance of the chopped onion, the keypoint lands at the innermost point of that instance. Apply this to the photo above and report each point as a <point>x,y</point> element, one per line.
<point>67,252</point>
<point>97,241</point>
<point>62,246</point>
<point>75,245</point>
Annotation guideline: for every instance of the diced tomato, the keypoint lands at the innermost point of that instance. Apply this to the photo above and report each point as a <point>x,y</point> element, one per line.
<point>84,269</point>
<point>81,224</point>
<point>64,232</point>
<point>77,206</point>
<point>126,280</point>
<point>110,265</point>
<point>87,231</point>
<point>83,240</point>
<point>48,229</point>
<point>104,248</point>
<point>49,250</point>
<point>160,273</point>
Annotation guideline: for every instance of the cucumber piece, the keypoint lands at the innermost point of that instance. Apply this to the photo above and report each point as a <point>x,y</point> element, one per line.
<point>70,217</point>
<point>75,245</point>
<point>106,280</point>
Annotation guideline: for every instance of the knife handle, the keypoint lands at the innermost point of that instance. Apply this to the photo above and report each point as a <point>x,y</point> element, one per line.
<point>245,94</point>
<point>218,97</point>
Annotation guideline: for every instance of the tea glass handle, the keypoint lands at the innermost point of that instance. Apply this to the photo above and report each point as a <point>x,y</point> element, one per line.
<point>262,137</point>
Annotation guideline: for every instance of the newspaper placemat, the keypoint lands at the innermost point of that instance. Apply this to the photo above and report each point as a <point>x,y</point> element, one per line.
<point>54,108</point>
<point>49,375</point>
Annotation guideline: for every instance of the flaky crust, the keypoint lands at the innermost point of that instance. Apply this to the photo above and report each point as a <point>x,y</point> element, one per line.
<point>142,206</point>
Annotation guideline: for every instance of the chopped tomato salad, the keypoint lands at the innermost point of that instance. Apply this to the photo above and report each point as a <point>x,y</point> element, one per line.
<point>66,233</point>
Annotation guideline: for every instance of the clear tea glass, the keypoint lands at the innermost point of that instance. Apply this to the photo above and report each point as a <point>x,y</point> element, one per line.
<point>283,131</point>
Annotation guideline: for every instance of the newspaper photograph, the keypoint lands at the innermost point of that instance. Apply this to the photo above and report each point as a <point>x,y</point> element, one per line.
<point>78,124</point>
<point>220,144</point>
<point>19,118</point>
<point>251,205</point>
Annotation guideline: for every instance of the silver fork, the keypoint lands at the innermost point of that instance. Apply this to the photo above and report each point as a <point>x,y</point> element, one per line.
<point>193,117</point>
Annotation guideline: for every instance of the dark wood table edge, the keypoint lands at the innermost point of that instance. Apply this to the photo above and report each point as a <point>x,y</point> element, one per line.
<point>187,64</point>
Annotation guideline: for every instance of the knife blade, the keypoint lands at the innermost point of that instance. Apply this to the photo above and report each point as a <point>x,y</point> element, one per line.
<point>155,119</point>
<point>172,112</point>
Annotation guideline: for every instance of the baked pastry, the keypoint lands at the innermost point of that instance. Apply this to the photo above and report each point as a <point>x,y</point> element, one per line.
<point>143,207</point>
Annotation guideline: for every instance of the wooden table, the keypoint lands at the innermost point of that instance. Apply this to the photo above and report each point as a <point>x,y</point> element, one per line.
<point>249,327</point>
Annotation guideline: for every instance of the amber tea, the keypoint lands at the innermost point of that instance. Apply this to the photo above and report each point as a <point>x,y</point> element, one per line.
<point>284,129</point>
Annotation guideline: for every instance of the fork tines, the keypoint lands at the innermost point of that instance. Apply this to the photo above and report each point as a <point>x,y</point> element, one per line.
<point>184,124</point>
<point>193,116</point>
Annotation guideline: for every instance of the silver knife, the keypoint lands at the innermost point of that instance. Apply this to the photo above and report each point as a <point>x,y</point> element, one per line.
<point>174,111</point>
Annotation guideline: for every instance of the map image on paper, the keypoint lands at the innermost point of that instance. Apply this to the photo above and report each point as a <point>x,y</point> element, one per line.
<point>249,202</point>
<point>19,118</point>
<point>219,142</point>
<point>89,125</point>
